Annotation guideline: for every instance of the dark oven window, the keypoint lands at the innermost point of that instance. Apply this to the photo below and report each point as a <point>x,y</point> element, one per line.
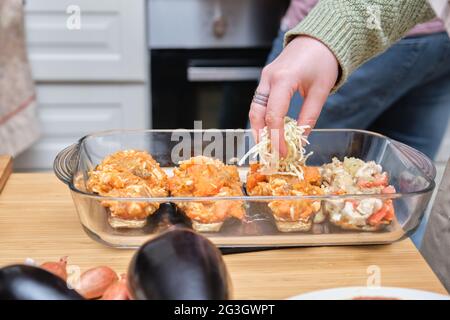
<point>215,86</point>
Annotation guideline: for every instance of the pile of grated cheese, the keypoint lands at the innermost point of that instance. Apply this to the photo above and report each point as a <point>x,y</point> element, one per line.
<point>270,161</point>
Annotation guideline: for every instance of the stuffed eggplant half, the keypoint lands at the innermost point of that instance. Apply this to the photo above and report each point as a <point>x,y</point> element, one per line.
<point>128,173</point>
<point>206,177</point>
<point>286,176</point>
<point>289,215</point>
<point>354,176</point>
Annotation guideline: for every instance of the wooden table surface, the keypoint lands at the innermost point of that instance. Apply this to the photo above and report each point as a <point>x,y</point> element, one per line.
<point>38,220</point>
<point>5,170</point>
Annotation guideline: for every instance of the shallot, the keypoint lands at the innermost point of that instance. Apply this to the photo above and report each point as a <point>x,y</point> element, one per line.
<point>118,290</point>
<point>58,268</point>
<point>94,282</point>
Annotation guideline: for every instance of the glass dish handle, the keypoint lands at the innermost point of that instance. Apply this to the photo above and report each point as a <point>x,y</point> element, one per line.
<point>65,163</point>
<point>418,158</point>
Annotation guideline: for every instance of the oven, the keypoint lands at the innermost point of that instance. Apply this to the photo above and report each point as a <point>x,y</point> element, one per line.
<point>206,57</point>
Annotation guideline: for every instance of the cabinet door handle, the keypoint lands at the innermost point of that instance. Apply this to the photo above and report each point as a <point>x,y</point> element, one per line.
<point>214,74</point>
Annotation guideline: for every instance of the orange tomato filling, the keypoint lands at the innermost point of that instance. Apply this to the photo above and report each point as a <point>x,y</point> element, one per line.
<point>386,213</point>
<point>129,174</point>
<point>286,185</point>
<point>206,177</point>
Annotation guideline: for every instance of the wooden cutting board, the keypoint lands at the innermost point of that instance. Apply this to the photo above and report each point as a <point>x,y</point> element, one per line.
<point>5,170</point>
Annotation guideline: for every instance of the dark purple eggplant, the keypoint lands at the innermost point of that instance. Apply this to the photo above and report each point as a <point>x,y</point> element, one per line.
<point>178,265</point>
<point>22,282</point>
<point>167,216</point>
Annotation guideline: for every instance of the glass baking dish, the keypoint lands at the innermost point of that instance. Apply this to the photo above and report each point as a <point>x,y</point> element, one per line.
<point>410,172</point>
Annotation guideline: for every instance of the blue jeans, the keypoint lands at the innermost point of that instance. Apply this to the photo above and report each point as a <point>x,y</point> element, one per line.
<point>403,93</point>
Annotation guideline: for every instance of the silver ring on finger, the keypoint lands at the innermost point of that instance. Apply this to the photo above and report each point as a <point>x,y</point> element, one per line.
<point>260,99</point>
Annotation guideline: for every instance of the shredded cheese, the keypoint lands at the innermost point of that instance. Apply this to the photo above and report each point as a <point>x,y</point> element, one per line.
<point>270,161</point>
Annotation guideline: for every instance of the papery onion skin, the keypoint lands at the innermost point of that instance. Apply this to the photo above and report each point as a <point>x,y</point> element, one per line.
<point>58,268</point>
<point>94,282</point>
<point>118,290</point>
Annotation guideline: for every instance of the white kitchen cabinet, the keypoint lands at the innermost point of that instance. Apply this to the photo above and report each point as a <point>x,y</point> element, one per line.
<point>89,79</point>
<point>245,24</point>
<point>109,46</point>
<point>68,112</point>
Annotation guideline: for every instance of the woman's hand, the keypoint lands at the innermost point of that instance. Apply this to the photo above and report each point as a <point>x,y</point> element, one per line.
<point>306,65</point>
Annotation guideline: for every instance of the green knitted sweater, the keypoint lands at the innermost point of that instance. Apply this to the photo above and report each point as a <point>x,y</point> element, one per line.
<point>357,30</point>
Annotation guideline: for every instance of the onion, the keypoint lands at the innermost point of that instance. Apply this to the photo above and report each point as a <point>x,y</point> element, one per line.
<point>94,282</point>
<point>118,290</point>
<point>57,268</point>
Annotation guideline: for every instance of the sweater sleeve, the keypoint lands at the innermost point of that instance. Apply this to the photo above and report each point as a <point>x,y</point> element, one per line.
<point>357,30</point>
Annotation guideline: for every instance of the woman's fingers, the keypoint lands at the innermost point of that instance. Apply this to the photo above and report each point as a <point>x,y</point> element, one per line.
<point>313,102</point>
<point>275,88</point>
<point>305,65</point>
<point>277,108</point>
<point>257,115</point>
<point>258,107</point>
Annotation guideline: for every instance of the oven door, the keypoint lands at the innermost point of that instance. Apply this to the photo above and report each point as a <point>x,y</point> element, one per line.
<point>214,86</point>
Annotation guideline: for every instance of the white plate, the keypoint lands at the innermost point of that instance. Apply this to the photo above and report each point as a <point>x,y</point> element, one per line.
<point>349,293</point>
